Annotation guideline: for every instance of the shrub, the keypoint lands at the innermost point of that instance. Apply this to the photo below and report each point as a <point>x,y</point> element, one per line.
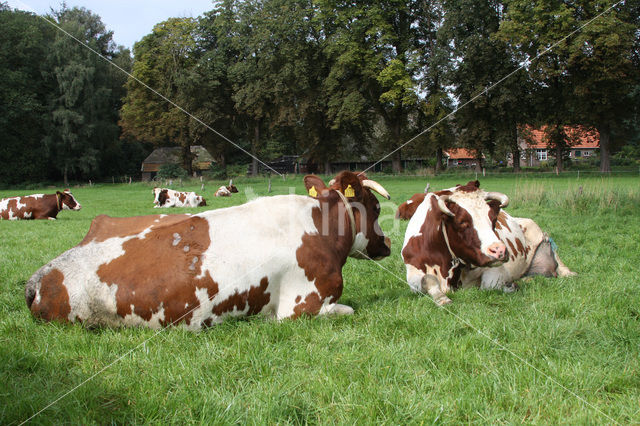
<point>171,171</point>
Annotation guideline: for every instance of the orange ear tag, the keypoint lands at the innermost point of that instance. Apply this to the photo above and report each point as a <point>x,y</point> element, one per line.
<point>313,192</point>
<point>349,192</point>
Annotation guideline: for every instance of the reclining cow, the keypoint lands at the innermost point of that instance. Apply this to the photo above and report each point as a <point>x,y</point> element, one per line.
<point>164,197</point>
<point>38,206</point>
<point>226,191</point>
<point>460,237</point>
<point>281,256</point>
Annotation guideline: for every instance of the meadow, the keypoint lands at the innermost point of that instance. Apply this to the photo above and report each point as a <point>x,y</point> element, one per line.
<point>561,350</point>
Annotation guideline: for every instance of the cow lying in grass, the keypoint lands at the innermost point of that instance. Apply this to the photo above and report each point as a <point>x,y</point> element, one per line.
<point>38,206</point>
<point>281,256</point>
<point>460,237</point>
<point>164,197</point>
<point>226,191</point>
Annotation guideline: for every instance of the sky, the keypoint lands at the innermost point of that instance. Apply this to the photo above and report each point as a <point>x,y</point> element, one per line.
<point>130,20</point>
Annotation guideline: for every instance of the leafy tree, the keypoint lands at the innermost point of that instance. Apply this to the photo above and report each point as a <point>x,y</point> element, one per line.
<point>582,79</point>
<point>162,61</point>
<point>24,41</point>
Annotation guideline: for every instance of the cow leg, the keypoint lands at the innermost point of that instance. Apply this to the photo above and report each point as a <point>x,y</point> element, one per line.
<point>336,309</point>
<point>429,283</point>
<point>562,269</point>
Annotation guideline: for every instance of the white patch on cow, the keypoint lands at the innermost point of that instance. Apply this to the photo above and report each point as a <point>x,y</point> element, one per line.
<point>416,221</point>
<point>176,239</point>
<point>4,203</point>
<point>409,202</point>
<point>359,245</point>
<point>135,320</point>
<point>186,248</point>
<point>27,215</point>
<point>20,205</point>
<point>477,207</point>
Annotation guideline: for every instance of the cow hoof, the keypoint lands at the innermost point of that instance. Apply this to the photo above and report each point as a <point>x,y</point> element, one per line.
<point>339,309</point>
<point>444,300</point>
<point>566,272</point>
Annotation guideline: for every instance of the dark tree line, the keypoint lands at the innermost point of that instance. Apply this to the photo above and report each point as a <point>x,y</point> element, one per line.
<point>328,79</point>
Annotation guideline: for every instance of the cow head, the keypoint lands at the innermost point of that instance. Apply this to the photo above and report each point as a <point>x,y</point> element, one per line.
<point>232,187</point>
<point>156,192</point>
<point>469,215</point>
<point>201,201</point>
<point>370,241</point>
<point>162,196</point>
<point>66,200</point>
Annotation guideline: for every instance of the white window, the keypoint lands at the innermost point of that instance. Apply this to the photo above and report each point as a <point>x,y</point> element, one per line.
<point>541,154</point>
<point>586,153</point>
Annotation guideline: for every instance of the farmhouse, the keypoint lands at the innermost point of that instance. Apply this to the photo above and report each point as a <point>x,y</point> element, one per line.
<point>535,151</point>
<point>171,155</point>
<point>461,157</point>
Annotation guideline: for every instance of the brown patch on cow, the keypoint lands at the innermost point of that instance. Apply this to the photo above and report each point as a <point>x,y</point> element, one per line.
<point>104,227</point>
<point>502,221</point>
<point>311,306</point>
<point>156,272</point>
<point>54,298</point>
<point>471,186</point>
<point>255,298</point>
<point>512,250</point>
<point>520,247</point>
<point>182,196</point>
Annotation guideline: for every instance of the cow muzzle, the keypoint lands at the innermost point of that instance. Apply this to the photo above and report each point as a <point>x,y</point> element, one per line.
<point>498,252</point>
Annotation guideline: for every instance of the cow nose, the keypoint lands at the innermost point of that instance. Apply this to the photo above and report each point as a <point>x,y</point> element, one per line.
<point>497,250</point>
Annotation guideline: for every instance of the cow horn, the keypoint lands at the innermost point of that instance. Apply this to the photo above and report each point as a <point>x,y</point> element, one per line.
<point>375,186</point>
<point>443,207</point>
<point>498,196</point>
<point>331,182</point>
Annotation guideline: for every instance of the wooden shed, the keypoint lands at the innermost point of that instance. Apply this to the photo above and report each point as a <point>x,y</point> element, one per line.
<point>171,155</point>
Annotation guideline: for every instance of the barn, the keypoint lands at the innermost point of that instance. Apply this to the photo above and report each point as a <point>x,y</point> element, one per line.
<point>171,155</point>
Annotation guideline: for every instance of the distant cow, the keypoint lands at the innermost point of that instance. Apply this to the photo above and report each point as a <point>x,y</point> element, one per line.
<point>38,206</point>
<point>165,197</point>
<point>281,256</point>
<point>408,208</point>
<point>226,191</point>
<point>459,237</point>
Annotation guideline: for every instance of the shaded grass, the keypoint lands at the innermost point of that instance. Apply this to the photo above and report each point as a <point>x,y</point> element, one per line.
<point>398,360</point>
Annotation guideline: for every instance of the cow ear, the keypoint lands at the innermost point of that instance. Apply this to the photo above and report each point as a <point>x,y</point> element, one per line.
<point>58,193</point>
<point>315,186</point>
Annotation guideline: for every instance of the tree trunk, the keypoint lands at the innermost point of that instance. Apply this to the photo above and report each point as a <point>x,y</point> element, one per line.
<point>254,148</point>
<point>559,152</point>
<point>65,176</point>
<point>515,149</point>
<point>479,163</point>
<point>396,160</point>
<point>187,160</point>
<point>438,167</point>
<point>605,148</point>
<point>327,167</point>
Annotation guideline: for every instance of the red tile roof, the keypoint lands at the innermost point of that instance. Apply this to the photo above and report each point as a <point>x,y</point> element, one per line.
<point>461,153</point>
<point>578,137</point>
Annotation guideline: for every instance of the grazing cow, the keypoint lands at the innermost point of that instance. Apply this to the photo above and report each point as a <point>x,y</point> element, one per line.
<point>281,256</point>
<point>38,206</point>
<point>165,197</point>
<point>408,208</point>
<point>226,191</point>
<point>460,237</point>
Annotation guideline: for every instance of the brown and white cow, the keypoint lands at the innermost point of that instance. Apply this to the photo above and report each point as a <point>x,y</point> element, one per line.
<point>460,237</point>
<point>226,191</point>
<point>280,256</point>
<point>408,208</point>
<point>164,197</point>
<point>38,206</point>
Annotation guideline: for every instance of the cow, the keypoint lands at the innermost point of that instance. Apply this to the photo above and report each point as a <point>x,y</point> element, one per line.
<point>408,208</point>
<point>164,197</point>
<point>226,191</point>
<point>279,256</point>
<point>38,206</point>
<point>460,237</point>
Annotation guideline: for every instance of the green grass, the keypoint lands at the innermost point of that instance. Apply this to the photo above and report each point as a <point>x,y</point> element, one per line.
<point>557,351</point>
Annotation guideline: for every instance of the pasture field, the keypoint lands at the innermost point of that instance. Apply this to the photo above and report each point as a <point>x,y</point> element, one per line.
<point>557,351</point>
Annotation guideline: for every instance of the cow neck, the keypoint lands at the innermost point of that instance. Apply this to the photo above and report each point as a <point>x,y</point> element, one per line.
<point>58,204</point>
<point>352,220</point>
<point>455,260</point>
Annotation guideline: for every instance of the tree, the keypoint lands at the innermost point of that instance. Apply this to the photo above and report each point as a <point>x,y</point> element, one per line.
<point>162,61</point>
<point>82,120</point>
<point>583,79</point>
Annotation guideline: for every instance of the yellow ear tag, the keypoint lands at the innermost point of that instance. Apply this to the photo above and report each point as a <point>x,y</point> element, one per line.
<point>313,192</point>
<point>349,192</point>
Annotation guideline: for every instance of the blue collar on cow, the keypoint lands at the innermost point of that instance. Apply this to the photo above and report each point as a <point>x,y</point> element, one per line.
<point>455,260</point>
<point>352,220</point>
